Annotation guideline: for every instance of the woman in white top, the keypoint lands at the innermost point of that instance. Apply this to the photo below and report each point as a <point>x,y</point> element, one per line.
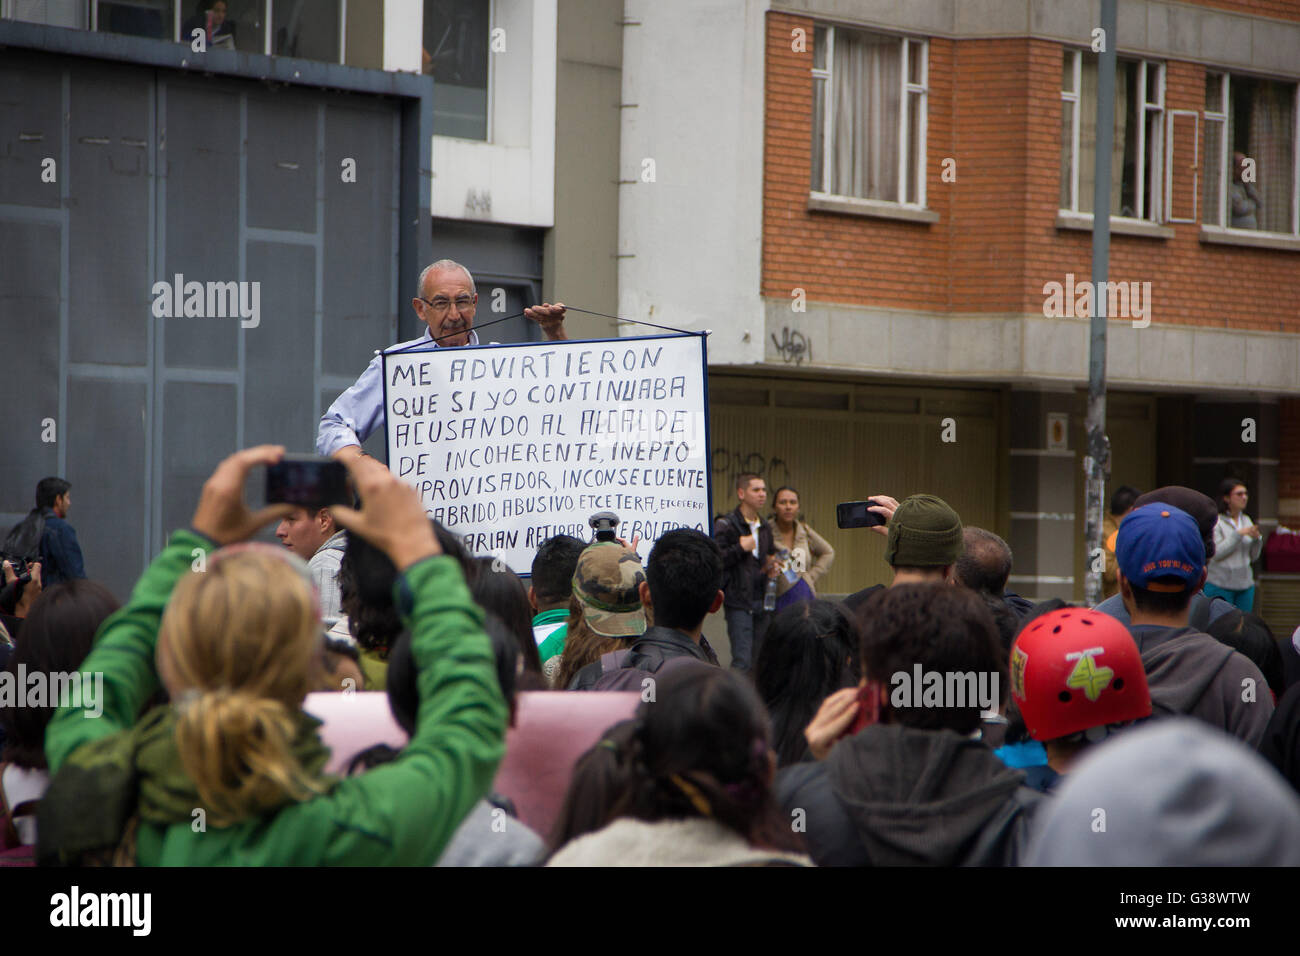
<point>1237,542</point>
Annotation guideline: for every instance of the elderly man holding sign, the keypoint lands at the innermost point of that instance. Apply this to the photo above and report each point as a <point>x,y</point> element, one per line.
<point>446,304</point>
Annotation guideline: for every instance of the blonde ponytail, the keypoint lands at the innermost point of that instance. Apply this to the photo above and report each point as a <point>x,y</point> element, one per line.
<point>238,649</point>
<point>238,750</point>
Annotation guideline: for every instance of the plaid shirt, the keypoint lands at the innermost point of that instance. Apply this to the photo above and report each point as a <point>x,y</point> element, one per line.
<point>324,566</point>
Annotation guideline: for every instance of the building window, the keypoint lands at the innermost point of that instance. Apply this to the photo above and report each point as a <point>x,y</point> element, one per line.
<point>1137,154</point>
<point>869,116</point>
<point>54,13</point>
<point>228,24</point>
<point>151,18</point>
<point>456,34</point>
<point>1250,154</point>
<point>310,29</point>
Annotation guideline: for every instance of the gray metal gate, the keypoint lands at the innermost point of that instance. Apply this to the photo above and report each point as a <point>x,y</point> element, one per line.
<point>157,174</point>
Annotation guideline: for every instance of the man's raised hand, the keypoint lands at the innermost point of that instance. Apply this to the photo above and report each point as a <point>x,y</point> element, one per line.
<point>884,506</point>
<point>550,318</point>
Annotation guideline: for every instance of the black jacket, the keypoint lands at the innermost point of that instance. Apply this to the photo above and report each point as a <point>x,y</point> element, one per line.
<point>1281,743</point>
<point>648,653</point>
<point>742,573</point>
<point>1020,606</point>
<point>893,795</point>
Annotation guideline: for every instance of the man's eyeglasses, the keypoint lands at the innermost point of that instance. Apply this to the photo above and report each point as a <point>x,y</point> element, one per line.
<point>440,303</point>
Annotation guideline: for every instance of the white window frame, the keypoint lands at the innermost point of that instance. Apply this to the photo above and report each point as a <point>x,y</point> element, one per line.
<point>1075,96</point>
<point>1155,161</point>
<point>824,75</point>
<point>1155,215</point>
<point>1221,116</point>
<point>488,129</point>
<point>343,32</point>
<point>906,91</point>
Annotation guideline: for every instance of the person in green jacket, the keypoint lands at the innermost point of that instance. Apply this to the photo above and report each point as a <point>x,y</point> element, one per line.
<point>230,773</point>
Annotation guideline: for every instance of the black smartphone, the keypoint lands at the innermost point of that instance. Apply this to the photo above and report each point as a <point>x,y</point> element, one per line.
<point>307,480</point>
<point>854,514</point>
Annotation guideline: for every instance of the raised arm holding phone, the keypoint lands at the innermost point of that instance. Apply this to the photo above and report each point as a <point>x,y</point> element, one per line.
<point>231,629</point>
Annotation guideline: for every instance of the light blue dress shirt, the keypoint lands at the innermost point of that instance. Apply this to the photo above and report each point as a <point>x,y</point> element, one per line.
<point>356,413</point>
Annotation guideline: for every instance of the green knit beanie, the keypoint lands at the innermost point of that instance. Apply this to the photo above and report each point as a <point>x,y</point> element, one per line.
<point>924,533</point>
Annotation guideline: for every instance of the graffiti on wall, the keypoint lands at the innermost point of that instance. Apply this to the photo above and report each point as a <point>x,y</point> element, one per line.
<point>727,464</point>
<point>793,346</point>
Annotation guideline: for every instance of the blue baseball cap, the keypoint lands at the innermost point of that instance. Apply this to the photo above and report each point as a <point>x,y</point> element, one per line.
<point>1160,541</point>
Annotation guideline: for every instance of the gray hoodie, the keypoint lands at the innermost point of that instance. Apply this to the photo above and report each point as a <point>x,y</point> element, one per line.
<point>892,795</point>
<point>1192,673</point>
<point>1172,793</point>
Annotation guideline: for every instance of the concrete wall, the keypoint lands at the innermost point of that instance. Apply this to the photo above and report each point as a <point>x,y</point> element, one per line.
<point>580,253</point>
<point>693,103</point>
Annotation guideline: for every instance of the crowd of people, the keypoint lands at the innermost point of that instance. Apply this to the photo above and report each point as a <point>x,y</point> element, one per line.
<point>584,719</point>
<point>936,720</point>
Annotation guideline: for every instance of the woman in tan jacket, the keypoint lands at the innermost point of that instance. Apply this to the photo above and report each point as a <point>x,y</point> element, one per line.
<point>807,554</point>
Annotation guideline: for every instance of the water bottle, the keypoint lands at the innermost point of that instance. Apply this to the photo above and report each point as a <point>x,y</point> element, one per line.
<point>769,595</point>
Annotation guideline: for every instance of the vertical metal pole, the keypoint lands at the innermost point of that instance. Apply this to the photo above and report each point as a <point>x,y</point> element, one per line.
<point>1096,463</point>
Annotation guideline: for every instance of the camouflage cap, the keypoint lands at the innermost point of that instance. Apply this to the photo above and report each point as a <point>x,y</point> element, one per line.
<point>607,582</point>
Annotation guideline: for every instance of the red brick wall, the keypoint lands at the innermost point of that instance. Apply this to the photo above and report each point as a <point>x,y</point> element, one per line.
<point>833,257</point>
<point>994,107</point>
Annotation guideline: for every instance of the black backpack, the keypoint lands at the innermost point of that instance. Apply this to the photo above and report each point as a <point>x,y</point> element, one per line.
<point>24,538</point>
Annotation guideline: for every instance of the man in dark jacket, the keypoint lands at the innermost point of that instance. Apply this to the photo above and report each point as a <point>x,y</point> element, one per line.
<point>1161,566</point>
<point>60,553</point>
<point>683,578</point>
<point>748,561</point>
<point>915,786</point>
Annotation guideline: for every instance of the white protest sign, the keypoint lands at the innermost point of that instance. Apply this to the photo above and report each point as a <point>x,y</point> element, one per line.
<point>511,444</point>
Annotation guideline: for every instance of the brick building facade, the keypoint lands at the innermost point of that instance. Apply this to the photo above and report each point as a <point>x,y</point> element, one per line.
<point>862,315</point>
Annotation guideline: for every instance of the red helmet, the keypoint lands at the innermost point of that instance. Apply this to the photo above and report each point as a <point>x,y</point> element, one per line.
<point>1073,669</point>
